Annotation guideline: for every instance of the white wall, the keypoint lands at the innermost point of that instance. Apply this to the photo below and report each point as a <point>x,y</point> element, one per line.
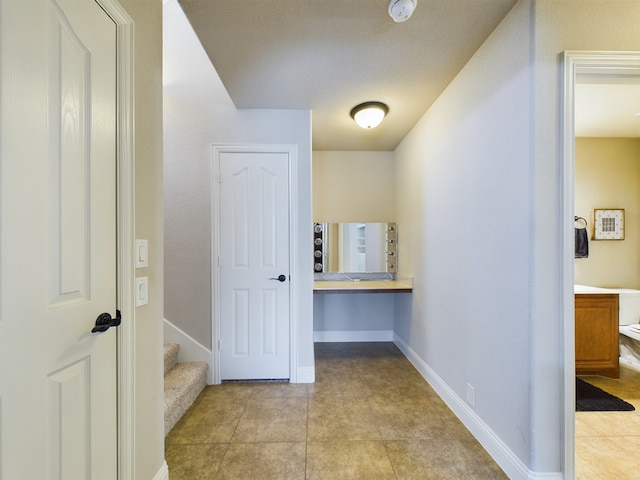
<point>353,317</point>
<point>463,199</point>
<point>199,113</point>
<point>479,194</point>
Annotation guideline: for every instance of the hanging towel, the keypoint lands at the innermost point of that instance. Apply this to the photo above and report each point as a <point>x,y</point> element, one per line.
<point>582,240</point>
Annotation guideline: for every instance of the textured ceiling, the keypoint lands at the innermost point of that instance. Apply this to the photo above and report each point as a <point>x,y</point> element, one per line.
<point>329,55</point>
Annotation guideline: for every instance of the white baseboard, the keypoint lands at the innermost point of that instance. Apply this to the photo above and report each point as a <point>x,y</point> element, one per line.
<point>190,349</point>
<point>353,336</point>
<point>501,453</point>
<point>163,473</point>
<point>306,375</point>
<point>545,476</point>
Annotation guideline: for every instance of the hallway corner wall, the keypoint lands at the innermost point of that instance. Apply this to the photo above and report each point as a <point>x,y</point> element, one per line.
<point>199,113</point>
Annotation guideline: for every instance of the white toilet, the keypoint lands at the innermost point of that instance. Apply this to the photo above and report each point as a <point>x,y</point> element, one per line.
<point>629,318</point>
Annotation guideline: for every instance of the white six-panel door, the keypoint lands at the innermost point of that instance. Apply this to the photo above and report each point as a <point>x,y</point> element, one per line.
<point>254,265</point>
<point>57,240</point>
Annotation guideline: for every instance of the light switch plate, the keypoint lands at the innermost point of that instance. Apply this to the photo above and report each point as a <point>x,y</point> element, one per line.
<point>142,253</point>
<point>142,291</point>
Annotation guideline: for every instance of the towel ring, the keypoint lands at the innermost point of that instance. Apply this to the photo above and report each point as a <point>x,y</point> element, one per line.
<point>579,219</point>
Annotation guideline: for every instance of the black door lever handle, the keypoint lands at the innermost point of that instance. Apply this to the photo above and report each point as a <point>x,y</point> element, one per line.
<point>280,278</point>
<point>104,322</point>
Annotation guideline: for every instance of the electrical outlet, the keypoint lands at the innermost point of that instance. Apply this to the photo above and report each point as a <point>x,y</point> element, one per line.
<point>471,395</point>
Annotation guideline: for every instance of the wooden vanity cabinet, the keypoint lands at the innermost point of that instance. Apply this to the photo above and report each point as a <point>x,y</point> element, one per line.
<point>596,334</point>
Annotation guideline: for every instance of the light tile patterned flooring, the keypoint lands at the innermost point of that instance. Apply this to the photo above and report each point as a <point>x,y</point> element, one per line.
<point>607,443</point>
<point>370,415</point>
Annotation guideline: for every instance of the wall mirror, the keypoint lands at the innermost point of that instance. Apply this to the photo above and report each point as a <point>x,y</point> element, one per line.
<point>355,247</point>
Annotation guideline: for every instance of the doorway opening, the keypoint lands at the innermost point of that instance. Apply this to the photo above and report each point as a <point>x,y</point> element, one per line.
<point>580,66</point>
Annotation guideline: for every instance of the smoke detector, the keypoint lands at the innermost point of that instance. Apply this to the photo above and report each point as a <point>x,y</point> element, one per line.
<point>401,10</point>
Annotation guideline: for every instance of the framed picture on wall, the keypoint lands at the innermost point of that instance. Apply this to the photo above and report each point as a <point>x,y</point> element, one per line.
<point>608,223</point>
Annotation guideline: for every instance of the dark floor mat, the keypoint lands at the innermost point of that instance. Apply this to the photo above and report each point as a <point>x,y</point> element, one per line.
<point>593,399</point>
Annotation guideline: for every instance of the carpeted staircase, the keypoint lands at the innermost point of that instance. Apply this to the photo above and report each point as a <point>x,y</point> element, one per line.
<point>183,382</point>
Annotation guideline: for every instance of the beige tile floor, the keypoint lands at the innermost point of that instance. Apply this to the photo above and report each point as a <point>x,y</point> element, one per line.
<point>370,415</point>
<point>607,443</point>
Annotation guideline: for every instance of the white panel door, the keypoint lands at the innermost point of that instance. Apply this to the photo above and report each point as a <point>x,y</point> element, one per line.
<point>57,240</point>
<point>254,265</point>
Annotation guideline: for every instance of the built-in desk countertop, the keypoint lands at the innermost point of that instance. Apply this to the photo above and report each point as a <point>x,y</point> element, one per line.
<point>362,286</point>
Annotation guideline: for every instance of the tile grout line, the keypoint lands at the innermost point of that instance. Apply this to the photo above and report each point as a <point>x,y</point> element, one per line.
<point>226,450</point>
<point>306,443</point>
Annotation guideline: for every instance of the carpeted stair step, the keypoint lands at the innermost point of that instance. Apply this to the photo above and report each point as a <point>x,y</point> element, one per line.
<point>182,385</point>
<point>170,356</point>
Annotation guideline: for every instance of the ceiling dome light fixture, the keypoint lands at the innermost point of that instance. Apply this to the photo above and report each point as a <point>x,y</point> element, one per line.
<point>401,10</point>
<point>369,114</point>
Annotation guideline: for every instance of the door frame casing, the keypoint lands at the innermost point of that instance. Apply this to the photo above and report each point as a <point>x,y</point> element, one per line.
<point>574,63</point>
<point>125,240</point>
<point>291,151</point>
